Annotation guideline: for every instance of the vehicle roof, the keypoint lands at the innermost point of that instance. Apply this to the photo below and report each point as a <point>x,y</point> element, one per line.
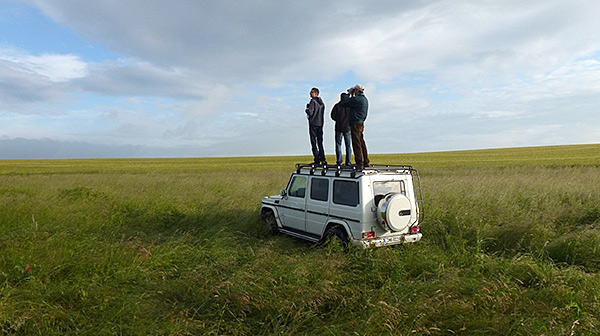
<point>352,171</point>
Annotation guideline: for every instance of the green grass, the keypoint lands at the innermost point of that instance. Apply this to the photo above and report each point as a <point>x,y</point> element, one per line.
<point>175,247</point>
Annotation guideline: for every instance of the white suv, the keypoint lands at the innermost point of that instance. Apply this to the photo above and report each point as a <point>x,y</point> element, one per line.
<point>369,207</point>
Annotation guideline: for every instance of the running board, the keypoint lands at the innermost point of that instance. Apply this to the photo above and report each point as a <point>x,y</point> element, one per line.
<point>299,235</point>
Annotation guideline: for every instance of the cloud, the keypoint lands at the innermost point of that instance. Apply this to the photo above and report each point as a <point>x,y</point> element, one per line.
<point>20,86</point>
<point>496,114</point>
<point>53,67</point>
<point>270,42</point>
<point>137,78</point>
<point>230,74</point>
<point>20,148</point>
<point>27,79</point>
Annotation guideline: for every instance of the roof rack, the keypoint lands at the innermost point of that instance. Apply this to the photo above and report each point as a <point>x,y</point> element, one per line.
<point>352,169</point>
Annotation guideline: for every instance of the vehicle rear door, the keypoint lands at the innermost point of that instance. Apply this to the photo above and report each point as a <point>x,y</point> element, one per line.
<point>317,204</point>
<point>346,203</point>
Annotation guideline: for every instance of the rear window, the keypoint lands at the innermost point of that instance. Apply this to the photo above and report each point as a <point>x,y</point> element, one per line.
<point>345,192</point>
<point>385,187</point>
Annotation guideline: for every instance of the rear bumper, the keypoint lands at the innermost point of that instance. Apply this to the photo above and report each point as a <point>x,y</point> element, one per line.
<point>387,241</point>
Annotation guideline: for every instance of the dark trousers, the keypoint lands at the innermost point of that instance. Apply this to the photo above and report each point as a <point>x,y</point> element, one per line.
<point>358,145</point>
<point>316,143</point>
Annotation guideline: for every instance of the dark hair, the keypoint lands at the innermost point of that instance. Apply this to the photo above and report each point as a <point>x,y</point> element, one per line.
<point>315,89</point>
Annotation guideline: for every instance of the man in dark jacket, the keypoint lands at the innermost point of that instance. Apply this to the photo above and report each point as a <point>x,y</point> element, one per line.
<point>342,130</point>
<point>314,112</point>
<point>359,106</point>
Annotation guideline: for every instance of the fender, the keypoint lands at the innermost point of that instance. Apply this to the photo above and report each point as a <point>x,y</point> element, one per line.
<point>268,207</point>
<point>338,222</point>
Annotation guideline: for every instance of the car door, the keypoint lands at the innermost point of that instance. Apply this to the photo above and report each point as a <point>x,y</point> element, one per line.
<point>317,204</point>
<point>292,208</point>
<point>346,203</point>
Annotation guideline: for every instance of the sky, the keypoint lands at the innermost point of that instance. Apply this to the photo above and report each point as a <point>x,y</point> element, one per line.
<point>193,78</point>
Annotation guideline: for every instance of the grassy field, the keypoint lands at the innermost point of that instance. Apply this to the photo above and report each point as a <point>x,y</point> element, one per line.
<point>511,246</point>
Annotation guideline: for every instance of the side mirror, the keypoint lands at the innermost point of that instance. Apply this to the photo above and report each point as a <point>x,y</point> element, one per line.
<point>283,193</point>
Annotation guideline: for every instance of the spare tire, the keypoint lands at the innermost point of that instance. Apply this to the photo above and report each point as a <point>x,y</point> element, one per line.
<point>394,212</point>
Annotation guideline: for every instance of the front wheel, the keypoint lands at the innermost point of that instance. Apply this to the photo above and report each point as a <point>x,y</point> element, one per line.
<point>271,224</point>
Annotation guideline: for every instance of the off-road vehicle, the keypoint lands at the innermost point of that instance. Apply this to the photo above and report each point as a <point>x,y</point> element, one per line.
<point>369,207</point>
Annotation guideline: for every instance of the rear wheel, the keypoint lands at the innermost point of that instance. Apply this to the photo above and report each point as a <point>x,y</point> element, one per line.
<point>337,236</point>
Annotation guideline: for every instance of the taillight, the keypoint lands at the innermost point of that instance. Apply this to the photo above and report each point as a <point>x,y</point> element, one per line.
<point>368,235</point>
<point>415,229</point>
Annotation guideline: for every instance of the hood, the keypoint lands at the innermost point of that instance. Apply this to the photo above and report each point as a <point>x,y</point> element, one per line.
<point>272,199</point>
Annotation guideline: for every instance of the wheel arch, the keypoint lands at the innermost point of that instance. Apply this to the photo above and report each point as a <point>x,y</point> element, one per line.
<point>265,209</point>
<point>335,223</point>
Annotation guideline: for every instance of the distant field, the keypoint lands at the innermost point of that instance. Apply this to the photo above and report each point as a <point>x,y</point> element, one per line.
<point>511,246</point>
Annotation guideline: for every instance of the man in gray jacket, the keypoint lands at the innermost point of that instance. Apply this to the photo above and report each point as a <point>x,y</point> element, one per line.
<point>359,106</point>
<point>314,112</point>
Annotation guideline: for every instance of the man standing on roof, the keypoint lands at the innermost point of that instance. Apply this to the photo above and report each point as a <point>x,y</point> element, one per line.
<point>359,106</point>
<point>342,130</point>
<point>314,112</point>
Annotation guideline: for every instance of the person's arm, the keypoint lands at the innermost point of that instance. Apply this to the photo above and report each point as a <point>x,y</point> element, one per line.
<point>310,108</point>
<point>335,111</point>
<point>347,101</point>
<point>361,107</point>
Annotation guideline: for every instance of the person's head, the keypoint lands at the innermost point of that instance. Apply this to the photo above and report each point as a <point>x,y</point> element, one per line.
<point>314,92</point>
<point>358,89</point>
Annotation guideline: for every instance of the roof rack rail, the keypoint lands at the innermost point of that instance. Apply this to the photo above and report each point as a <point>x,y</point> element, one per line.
<point>352,169</point>
<point>326,167</point>
<point>389,168</point>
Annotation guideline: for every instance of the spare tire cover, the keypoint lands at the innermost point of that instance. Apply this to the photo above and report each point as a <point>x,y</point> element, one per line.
<point>396,210</point>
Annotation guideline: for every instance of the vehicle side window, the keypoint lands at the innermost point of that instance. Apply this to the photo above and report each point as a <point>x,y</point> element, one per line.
<point>298,186</point>
<point>319,189</point>
<point>345,192</point>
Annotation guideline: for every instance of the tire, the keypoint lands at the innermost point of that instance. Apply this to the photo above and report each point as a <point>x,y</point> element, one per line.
<point>337,236</point>
<point>271,224</point>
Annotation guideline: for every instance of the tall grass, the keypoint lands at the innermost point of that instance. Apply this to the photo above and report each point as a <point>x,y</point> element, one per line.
<point>176,247</point>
